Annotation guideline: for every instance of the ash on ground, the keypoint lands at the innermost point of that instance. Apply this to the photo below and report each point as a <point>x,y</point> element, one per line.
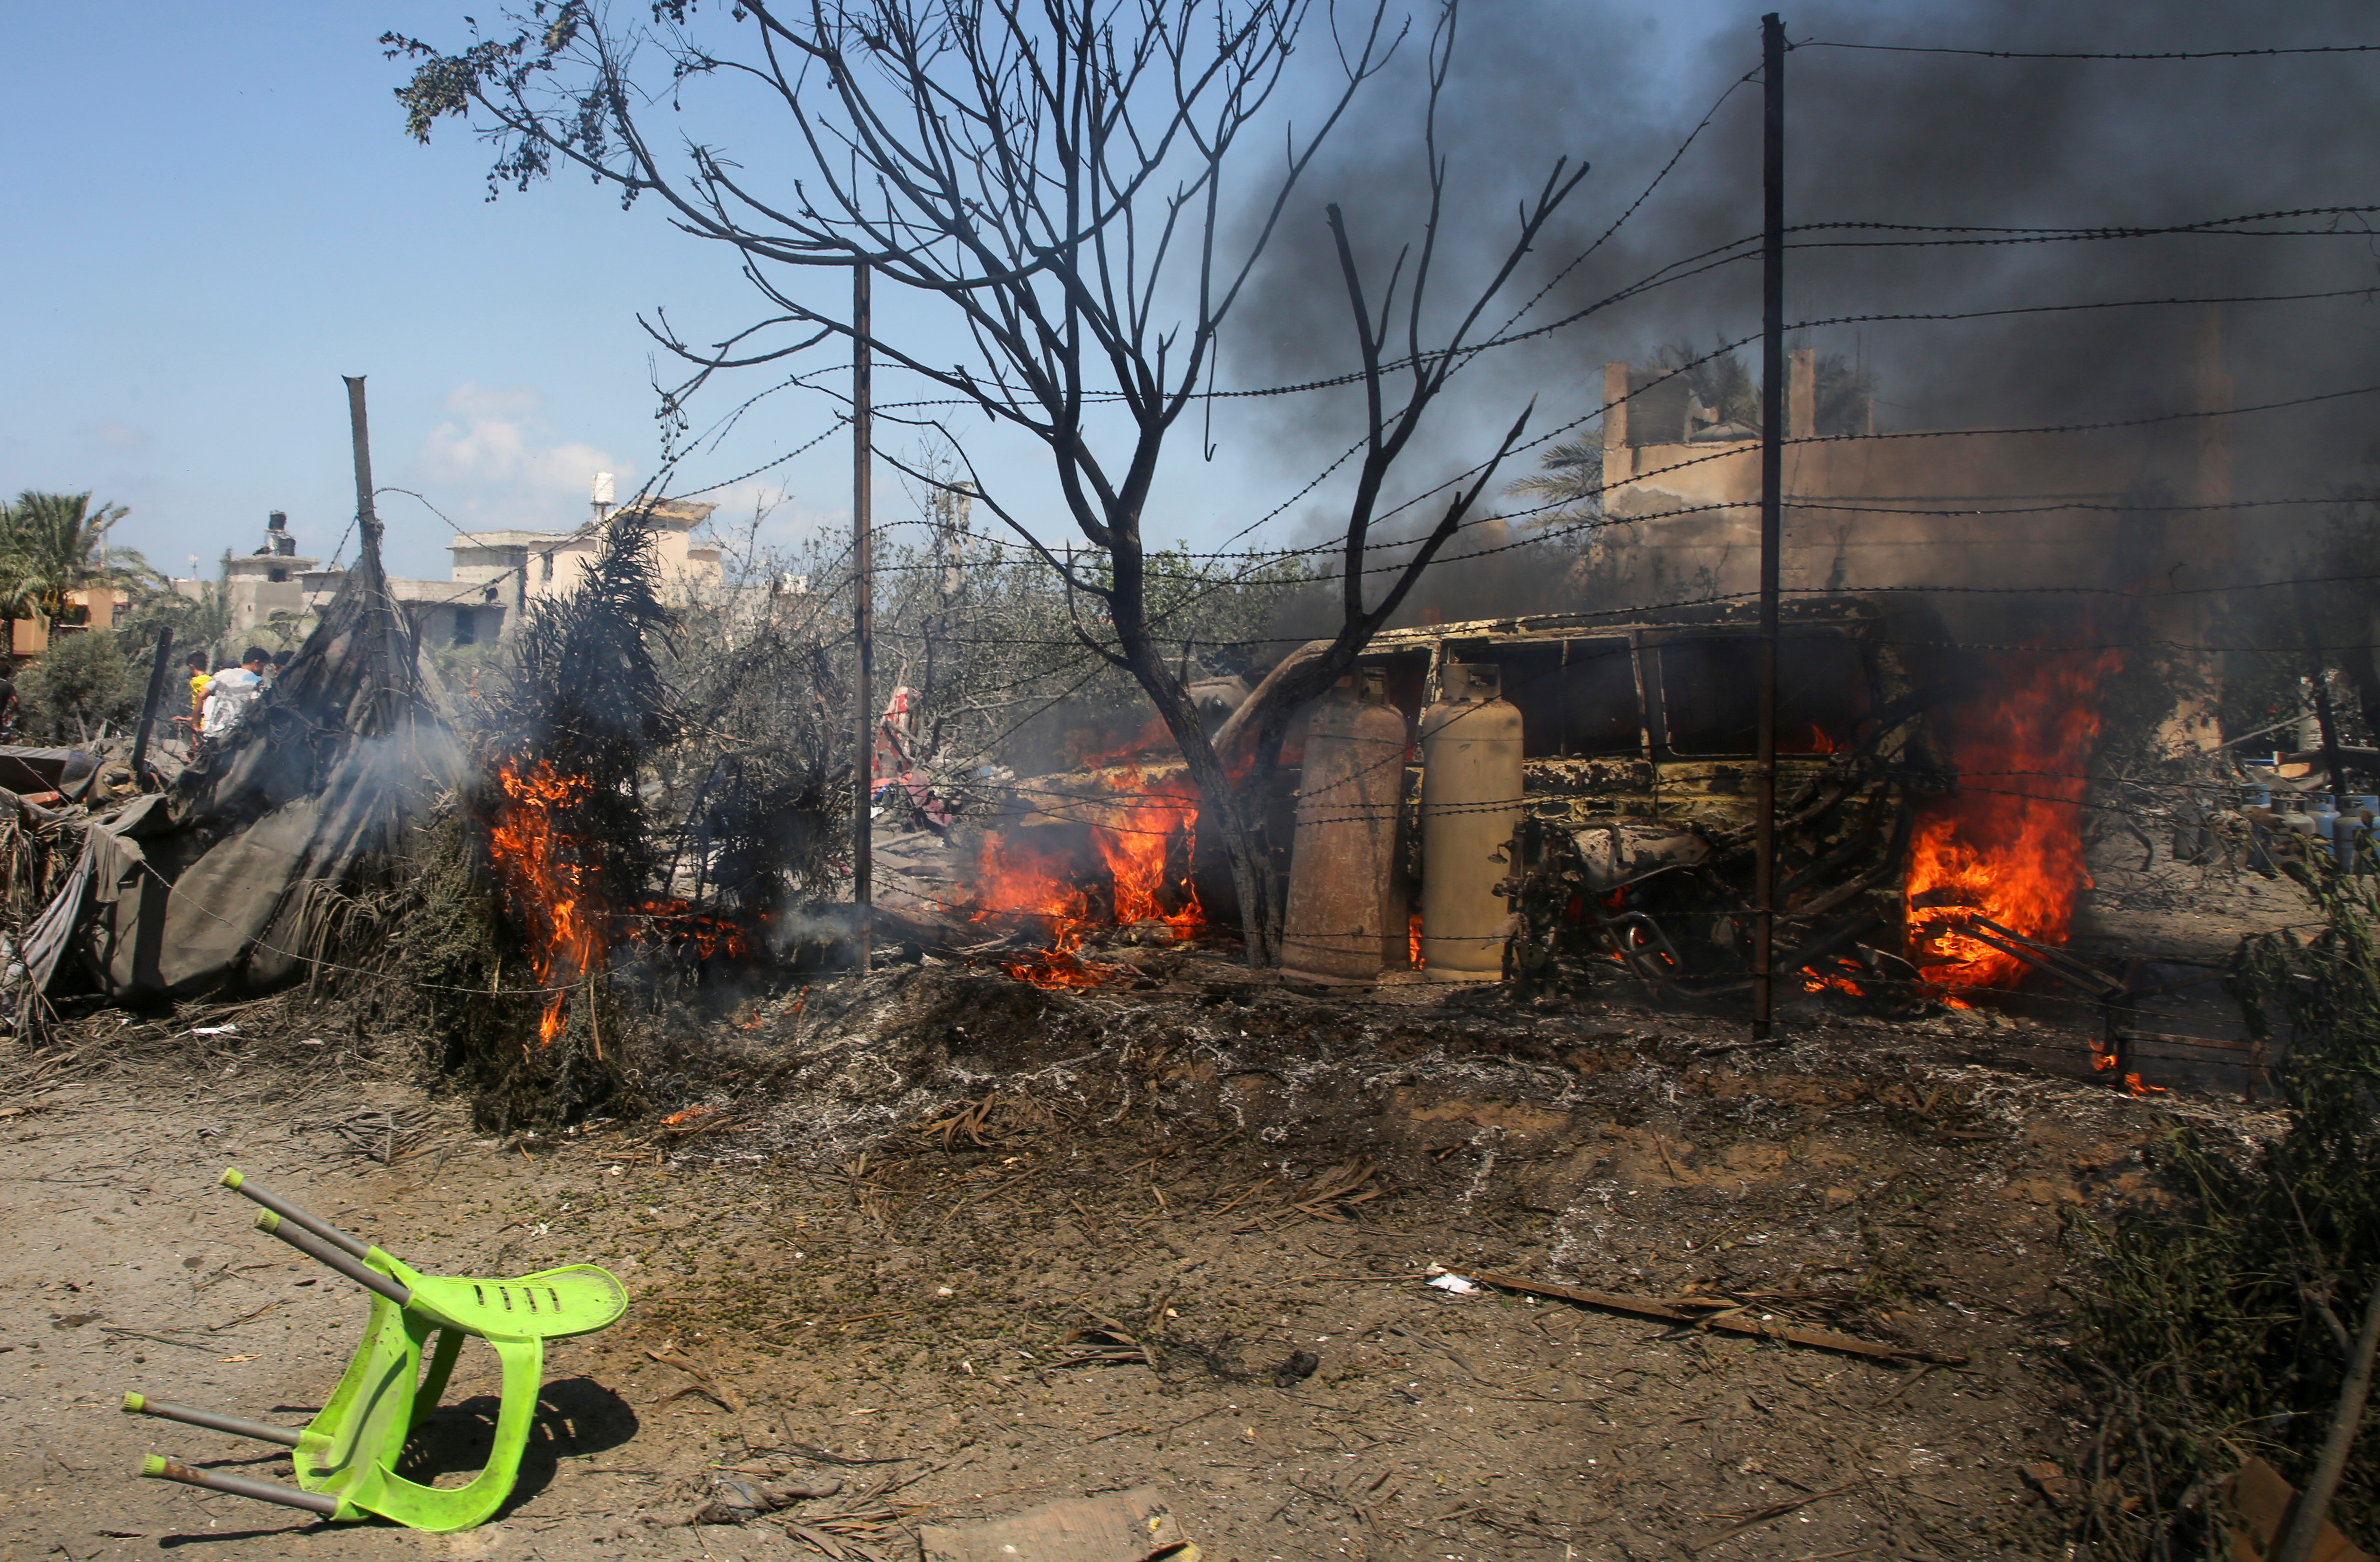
<point>1021,1244</point>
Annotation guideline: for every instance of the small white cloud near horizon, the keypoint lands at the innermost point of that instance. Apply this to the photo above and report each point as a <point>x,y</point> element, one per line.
<point>495,445</point>
<point>472,399</point>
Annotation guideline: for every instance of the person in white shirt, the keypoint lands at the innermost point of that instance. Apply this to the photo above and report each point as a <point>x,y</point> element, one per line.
<point>231,691</point>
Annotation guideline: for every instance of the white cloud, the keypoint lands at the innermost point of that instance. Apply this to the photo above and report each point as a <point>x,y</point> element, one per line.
<point>472,399</point>
<point>495,450</point>
<point>573,468</point>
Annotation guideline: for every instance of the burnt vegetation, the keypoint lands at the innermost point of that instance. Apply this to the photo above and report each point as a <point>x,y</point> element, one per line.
<point>2228,1320</point>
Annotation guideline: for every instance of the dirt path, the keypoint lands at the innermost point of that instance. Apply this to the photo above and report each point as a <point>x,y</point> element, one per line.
<point>1209,1181</point>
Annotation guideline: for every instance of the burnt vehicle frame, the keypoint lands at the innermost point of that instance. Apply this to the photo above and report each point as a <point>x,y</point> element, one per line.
<point>1633,852</point>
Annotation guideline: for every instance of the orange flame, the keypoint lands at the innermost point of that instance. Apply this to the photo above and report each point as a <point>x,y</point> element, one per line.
<point>552,891</point>
<point>2007,844</point>
<point>1412,940</point>
<point>678,924</point>
<point>1013,880</point>
<point>1138,850</point>
<point>1835,980</point>
<point>551,883</point>
<point>2106,1059</point>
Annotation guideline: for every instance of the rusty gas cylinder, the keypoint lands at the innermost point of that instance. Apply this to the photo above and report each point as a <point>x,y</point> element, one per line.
<point>1469,801</point>
<point>1346,846</point>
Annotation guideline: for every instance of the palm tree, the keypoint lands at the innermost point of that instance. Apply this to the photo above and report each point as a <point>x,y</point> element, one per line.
<point>52,544</point>
<point>1569,482</point>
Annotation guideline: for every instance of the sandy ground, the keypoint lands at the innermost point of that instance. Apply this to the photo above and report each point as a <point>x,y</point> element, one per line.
<point>850,1263</point>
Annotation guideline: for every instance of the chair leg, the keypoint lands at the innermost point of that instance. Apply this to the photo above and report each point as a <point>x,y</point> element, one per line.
<point>214,1421</point>
<point>237,1182</point>
<point>524,1363</point>
<point>433,1381</point>
<point>330,1257</point>
<point>157,1468</point>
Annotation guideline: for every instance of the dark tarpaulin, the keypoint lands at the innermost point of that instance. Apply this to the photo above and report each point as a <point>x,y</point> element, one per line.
<point>290,813</point>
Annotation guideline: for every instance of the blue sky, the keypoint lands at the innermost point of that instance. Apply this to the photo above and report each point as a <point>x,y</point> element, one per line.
<point>214,214</point>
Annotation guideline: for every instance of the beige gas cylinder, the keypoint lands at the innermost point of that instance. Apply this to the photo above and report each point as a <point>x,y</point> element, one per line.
<point>1346,846</point>
<point>1469,801</point>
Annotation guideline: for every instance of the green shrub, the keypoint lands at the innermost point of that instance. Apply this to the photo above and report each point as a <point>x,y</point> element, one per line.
<point>82,680</point>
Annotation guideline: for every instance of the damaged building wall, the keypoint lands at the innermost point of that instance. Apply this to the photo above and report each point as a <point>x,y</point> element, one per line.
<point>2036,508</point>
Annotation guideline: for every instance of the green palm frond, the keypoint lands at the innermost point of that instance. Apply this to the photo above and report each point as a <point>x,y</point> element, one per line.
<point>1569,481</point>
<point>50,545</point>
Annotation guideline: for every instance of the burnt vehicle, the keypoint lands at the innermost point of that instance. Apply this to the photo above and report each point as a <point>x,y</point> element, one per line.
<point>1631,848</point>
<point>1553,801</point>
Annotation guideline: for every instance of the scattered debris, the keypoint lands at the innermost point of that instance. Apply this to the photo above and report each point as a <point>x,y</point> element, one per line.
<point>2261,1500</point>
<point>850,1533</point>
<point>1108,1343</point>
<point>2054,1485</point>
<point>1759,1516</point>
<point>383,1136</point>
<point>703,1386</point>
<point>735,1499</point>
<point>1333,1195</point>
<point>693,1121</point>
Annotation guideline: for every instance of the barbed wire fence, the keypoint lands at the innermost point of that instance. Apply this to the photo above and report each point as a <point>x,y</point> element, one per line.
<point>976,624</point>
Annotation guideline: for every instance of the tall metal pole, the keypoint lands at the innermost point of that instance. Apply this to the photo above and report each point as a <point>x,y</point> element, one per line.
<point>1772,495</point>
<point>863,619</point>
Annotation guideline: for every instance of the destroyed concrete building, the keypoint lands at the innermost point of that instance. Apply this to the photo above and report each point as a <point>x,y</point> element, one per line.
<point>1864,510</point>
<point>497,574</point>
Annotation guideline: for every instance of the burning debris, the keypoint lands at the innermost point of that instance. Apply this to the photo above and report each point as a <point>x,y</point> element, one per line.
<point>1926,820</point>
<point>2007,843</point>
<point>1142,831</point>
<point>279,848</point>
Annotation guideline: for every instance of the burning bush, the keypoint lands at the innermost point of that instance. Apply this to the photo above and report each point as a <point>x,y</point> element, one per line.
<point>557,822</point>
<point>759,785</point>
<point>652,787</point>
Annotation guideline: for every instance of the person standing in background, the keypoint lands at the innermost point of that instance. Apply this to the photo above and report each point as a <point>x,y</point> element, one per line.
<point>196,664</point>
<point>231,691</point>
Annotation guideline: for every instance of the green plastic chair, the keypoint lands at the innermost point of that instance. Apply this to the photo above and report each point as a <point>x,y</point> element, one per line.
<point>346,1457</point>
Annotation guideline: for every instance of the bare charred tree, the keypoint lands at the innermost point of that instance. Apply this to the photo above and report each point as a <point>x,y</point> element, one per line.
<point>1063,179</point>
